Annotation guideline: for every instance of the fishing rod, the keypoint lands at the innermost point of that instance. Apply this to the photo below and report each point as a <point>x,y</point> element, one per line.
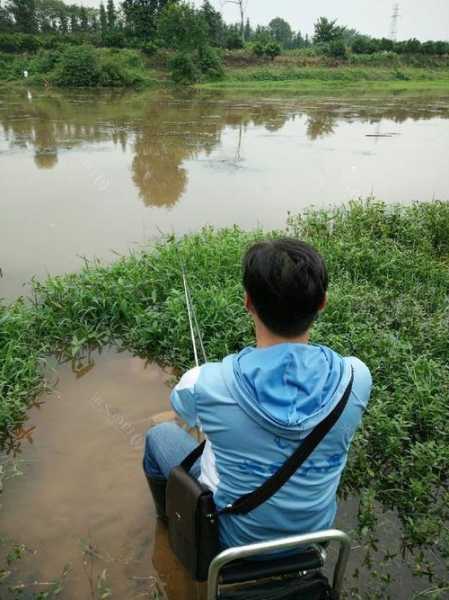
<point>193,321</point>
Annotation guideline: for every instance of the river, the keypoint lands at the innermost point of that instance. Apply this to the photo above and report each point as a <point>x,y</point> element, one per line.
<point>94,173</point>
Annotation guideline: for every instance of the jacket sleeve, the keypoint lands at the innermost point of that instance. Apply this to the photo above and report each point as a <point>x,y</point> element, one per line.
<point>184,399</point>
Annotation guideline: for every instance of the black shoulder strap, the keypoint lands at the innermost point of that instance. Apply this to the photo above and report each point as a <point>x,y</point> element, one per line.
<point>191,459</point>
<point>249,502</point>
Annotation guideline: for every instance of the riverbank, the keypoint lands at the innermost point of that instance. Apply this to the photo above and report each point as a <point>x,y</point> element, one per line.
<point>398,328</point>
<point>86,66</point>
<point>325,79</point>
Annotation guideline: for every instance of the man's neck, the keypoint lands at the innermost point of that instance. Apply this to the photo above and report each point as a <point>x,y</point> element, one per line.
<point>265,338</point>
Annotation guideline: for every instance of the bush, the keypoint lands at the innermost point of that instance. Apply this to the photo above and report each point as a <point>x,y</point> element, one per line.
<point>210,63</point>
<point>78,67</point>
<point>233,40</point>
<point>337,49</point>
<point>184,69</point>
<point>272,49</point>
<point>269,49</point>
<point>113,39</point>
<point>113,74</point>
<point>19,42</point>
<point>401,76</point>
<point>150,48</point>
<point>363,45</point>
<point>45,61</point>
<point>11,67</point>
<point>120,68</point>
<point>259,49</point>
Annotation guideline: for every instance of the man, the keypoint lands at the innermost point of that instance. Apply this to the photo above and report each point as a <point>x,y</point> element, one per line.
<point>257,406</point>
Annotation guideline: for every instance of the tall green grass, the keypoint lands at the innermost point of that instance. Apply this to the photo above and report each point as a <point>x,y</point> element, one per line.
<point>389,305</point>
<point>341,73</point>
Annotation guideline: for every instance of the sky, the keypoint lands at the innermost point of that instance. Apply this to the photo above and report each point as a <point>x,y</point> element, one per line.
<point>423,19</point>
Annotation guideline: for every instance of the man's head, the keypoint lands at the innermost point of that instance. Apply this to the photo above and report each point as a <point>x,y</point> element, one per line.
<point>286,283</point>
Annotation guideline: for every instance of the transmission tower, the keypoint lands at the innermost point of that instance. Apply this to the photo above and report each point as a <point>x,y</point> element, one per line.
<point>394,23</point>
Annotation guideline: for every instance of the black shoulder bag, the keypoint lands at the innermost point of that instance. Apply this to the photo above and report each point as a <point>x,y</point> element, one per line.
<point>192,515</point>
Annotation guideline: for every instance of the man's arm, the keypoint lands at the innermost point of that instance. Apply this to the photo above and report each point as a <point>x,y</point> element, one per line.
<point>183,397</point>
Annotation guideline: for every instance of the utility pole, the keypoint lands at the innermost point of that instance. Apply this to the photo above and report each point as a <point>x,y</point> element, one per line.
<point>394,23</point>
<point>239,3</point>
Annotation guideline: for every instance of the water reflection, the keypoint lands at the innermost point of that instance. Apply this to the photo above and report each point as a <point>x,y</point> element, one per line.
<point>321,125</point>
<point>163,132</point>
<point>87,173</point>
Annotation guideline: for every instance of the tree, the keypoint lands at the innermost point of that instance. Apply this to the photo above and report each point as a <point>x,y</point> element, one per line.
<point>239,3</point>
<point>272,49</point>
<point>297,40</point>
<point>140,16</point>
<point>6,23</point>
<point>47,13</point>
<point>362,45</point>
<point>24,15</point>
<point>326,31</point>
<point>281,32</point>
<point>182,27</point>
<point>94,22</point>
<point>214,22</point>
<point>412,46</point>
<point>73,22</point>
<point>103,19</point>
<point>337,49</point>
<point>248,31</point>
<point>233,37</point>
<point>84,19</point>
<point>111,15</point>
<point>349,35</point>
<point>63,22</point>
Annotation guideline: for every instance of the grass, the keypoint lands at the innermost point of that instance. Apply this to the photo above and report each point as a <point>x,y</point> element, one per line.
<point>388,305</point>
<point>108,67</point>
<point>278,77</point>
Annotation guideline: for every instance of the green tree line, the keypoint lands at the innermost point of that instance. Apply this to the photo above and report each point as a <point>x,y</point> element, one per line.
<point>129,22</point>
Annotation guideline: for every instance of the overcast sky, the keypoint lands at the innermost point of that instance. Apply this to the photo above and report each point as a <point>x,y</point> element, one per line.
<point>424,19</point>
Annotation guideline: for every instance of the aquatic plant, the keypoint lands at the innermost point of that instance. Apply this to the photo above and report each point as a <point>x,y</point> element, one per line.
<point>388,305</point>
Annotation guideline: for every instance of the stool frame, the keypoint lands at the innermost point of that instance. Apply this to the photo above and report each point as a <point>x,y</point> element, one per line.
<point>289,543</point>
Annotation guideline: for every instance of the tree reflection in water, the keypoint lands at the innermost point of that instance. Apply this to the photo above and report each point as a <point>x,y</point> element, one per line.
<point>163,130</point>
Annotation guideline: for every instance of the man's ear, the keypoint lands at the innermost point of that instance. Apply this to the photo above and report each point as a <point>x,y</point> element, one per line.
<point>248,303</point>
<point>324,303</point>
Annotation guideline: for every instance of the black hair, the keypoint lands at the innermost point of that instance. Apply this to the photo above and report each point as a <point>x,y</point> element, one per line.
<point>286,280</point>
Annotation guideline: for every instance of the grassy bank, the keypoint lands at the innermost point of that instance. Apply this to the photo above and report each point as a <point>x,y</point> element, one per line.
<point>388,305</point>
<point>87,66</point>
<point>278,77</point>
<point>79,66</point>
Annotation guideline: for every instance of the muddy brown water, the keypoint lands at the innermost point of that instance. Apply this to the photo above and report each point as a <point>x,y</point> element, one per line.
<point>90,173</point>
<point>82,500</point>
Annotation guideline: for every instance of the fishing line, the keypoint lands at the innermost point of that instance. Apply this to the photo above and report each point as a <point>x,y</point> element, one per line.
<point>189,314</point>
<point>195,331</point>
<point>193,320</point>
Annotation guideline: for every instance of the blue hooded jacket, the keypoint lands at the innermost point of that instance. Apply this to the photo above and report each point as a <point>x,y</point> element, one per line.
<point>255,408</point>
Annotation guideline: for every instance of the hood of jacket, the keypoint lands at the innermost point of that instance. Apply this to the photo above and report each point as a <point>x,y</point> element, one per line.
<point>287,388</point>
